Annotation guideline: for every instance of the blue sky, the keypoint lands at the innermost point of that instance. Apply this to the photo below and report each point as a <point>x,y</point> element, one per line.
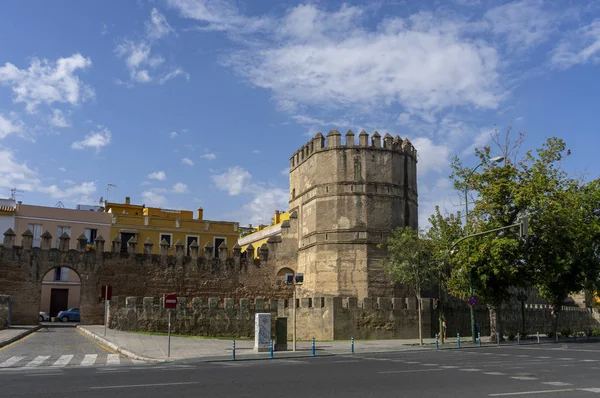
<point>187,103</point>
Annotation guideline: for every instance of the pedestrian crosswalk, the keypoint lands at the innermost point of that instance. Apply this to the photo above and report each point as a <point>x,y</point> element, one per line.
<point>60,361</point>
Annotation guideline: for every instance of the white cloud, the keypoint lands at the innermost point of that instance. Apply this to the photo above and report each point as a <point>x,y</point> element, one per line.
<point>219,15</point>
<point>69,182</point>
<point>173,134</point>
<point>96,139</point>
<point>19,175</point>
<point>62,169</point>
<point>9,126</point>
<point>431,157</point>
<point>157,26</point>
<point>263,205</point>
<point>479,141</point>
<point>157,175</point>
<point>153,199</point>
<point>285,171</point>
<point>58,119</point>
<point>523,23</point>
<point>209,156</point>
<point>233,181</point>
<point>48,82</point>
<point>255,151</point>
<point>138,54</point>
<point>581,47</point>
<point>320,58</point>
<point>187,161</point>
<point>180,187</point>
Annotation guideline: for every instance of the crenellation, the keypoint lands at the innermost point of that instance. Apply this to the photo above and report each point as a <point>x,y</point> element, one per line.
<point>132,245</point>
<point>46,241</point>
<point>130,302</point>
<point>376,140</point>
<point>384,303</point>
<point>9,238</point>
<point>27,241</point>
<point>387,141</point>
<point>366,303</point>
<point>148,246</point>
<point>334,139</point>
<point>352,302</point>
<point>350,139</point>
<point>81,243</point>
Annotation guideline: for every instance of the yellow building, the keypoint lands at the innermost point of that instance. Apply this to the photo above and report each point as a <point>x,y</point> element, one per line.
<point>131,220</point>
<point>263,233</point>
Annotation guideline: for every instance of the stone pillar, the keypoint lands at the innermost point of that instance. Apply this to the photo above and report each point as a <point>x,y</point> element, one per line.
<point>387,141</point>
<point>208,251</point>
<point>263,252</point>
<point>27,240</point>
<point>250,253</point>
<point>223,252</point>
<point>194,249</point>
<point>116,244</point>
<point>350,139</point>
<point>318,142</point>
<point>237,255</point>
<point>334,139</point>
<point>81,243</point>
<point>148,246</point>
<point>132,245</point>
<point>9,238</point>
<point>99,244</point>
<point>46,243</point>
<point>179,248</point>
<point>376,139</point>
<point>164,247</point>
<point>64,241</point>
<point>363,139</point>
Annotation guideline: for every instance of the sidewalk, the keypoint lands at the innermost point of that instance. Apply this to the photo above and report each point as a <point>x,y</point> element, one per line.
<point>154,347</point>
<point>14,333</point>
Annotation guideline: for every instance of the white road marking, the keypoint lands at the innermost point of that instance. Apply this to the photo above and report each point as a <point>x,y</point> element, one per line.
<point>113,359</point>
<point>10,361</point>
<point>557,383</point>
<point>413,363</point>
<point>449,367</point>
<point>144,385</point>
<point>89,360</point>
<point>45,374</point>
<point>63,360</point>
<point>429,364</point>
<point>596,390</point>
<point>523,378</point>
<point>544,357</point>
<point>565,359</point>
<point>37,361</point>
<point>494,373</point>
<point>351,361</point>
<point>409,371</point>
<point>590,360</point>
<point>529,392</point>
<point>470,370</point>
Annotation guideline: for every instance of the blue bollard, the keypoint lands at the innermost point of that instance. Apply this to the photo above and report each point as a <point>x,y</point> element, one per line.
<point>313,347</point>
<point>458,339</point>
<point>437,343</point>
<point>271,349</point>
<point>233,351</point>
<point>352,345</point>
<point>574,336</point>
<point>479,339</point>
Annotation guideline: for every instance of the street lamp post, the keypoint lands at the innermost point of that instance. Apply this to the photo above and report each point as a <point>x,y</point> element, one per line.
<point>291,279</point>
<point>496,159</point>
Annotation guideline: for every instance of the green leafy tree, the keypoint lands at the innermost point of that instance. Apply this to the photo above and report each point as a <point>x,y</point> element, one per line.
<point>412,261</point>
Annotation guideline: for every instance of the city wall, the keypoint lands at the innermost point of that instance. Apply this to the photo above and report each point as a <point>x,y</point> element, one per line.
<point>22,269</point>
<point>330,318</point>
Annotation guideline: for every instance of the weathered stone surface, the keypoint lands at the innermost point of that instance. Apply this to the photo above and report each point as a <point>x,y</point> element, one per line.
<point>4,311</point>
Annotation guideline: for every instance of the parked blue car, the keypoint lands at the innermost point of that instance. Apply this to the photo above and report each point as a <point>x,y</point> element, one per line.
<point>69,315</point>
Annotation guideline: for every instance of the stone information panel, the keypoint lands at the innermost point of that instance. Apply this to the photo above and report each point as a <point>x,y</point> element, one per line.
<point>262,332</point>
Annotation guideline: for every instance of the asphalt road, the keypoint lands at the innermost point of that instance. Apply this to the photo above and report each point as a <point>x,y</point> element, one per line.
<point>57,347</point>
<point>561,370</point>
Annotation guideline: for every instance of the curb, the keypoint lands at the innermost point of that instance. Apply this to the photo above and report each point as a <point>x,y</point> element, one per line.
<point>20,336</point>
<point>115,347</point>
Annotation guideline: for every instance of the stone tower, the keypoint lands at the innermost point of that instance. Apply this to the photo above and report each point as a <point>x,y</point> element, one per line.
<point>348,199</point>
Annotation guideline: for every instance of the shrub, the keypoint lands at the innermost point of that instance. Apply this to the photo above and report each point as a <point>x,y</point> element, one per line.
<point>596,332</point>
<point>550,334</point>
<point>566,332</point>
<point>511,336</point>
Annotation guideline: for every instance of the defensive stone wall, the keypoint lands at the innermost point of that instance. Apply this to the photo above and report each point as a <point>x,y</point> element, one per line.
<point>132,274</point>
<point>4,311</point>
<point>330,318</point>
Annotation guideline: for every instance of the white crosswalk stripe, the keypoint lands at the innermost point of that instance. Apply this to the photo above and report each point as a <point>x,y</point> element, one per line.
<point>37,361</point>
<point>62,361</point>
<point>113,359</point>
<point>89,360</point>
<point>10,362</point>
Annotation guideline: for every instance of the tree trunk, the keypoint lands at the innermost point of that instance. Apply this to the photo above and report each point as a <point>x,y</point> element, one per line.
<point>495,323</point>
<point>420,320</point>
<point>555,315</point>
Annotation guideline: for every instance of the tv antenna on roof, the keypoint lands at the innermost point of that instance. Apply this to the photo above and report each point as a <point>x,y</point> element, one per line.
<point>14,192</point>
<point>109,186</point>
<point>60,205</point>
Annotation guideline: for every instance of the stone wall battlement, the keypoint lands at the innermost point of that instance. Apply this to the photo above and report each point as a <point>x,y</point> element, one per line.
<point>99,255</point>
<point>334,141</point>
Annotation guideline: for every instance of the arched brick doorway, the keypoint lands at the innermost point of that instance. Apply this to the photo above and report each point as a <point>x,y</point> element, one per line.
<point>61,291</point>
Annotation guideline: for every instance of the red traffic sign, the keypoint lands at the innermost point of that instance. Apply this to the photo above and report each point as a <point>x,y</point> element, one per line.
<point>106,292</point>
<point>170,301</point>
<point>473,300</point>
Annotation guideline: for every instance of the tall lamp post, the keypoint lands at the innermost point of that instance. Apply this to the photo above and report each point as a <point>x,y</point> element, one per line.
<point>291,279</point>
<point>496,159</point>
